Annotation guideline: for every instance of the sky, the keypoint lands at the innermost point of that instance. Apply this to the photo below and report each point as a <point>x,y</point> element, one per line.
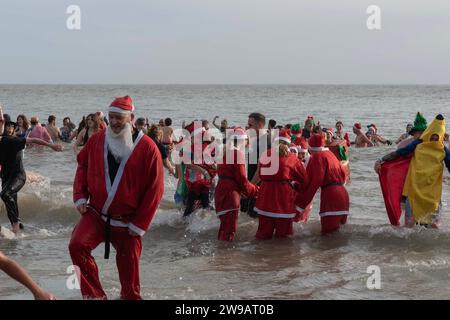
<point>225,42</point>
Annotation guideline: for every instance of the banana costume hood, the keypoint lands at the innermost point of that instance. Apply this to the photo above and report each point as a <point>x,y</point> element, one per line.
<point>423,184</point>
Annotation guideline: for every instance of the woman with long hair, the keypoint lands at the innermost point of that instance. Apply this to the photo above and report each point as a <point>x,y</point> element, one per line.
<point>91,128</point>
<point>22,126</point>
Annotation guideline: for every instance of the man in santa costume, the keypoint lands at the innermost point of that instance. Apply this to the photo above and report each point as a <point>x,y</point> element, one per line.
<point>232,182</point>
<point>325,171</point>
<point>117,189</point>
<point>275,204</point>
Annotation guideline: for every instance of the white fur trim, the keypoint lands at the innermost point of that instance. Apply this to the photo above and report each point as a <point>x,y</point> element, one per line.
<point>221,213</point>
<point>299,209</point>
<point>275,214</point>
<point>113,189</point>
<point>119,110</point>
<point>282,139</point>
<point>121,224</point>
<point>334,213</point>
<point>80,202</point>
<point>136,229</point>
<point>116,223</point>
<point>318,149</point>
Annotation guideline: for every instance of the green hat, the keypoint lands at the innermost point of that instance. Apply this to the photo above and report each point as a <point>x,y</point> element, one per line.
<point>420,123</point>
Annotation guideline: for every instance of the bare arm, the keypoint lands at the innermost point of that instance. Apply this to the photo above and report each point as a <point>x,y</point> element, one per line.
<point>55,147</point>
<point>214,122</point>
<point>2,121</point>
<point>15,271</point>
<point>79,140</point>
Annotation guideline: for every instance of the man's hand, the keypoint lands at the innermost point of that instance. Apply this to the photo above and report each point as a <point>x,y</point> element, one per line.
<point>57,147</point>
<point>132,233</point>
<point>377,166</point>
<point>82,208</point>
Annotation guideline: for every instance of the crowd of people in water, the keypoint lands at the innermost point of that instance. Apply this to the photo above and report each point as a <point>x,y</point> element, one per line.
<point>309,156</point>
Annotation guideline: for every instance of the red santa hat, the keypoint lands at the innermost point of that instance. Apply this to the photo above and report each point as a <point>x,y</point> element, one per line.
<point>239,133</point>
<point>293,148</point>
<point>357,126</point>
<point>329,130</point>
<point>303,146</point>
<point>316,141</point>
<point>122,105</point>
<point>283,135</point>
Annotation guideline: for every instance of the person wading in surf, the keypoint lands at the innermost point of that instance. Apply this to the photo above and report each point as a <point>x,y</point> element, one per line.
<point>12,171</point>
<point>118,186</point>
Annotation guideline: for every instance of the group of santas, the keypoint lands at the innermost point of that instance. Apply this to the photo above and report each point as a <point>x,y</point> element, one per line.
<point>282,197</point>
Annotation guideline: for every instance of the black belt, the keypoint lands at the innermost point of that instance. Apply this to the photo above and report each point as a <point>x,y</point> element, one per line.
<point>279,181</point>
<point>332,184</point>
<point>107,231</point>
<point>226,178</point>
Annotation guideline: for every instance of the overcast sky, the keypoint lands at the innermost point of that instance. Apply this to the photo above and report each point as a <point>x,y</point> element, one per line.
<point>225,41</point>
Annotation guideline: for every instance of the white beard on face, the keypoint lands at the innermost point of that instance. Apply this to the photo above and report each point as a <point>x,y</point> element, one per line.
<point>120,144</point>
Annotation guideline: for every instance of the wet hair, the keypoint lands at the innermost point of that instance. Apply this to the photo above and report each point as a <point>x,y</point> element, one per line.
<point>94,118</point>
<point>34,121</point>
<point>26,123</point>
<point>51,119</point>
<point>140,122</point>
<point>272,123</point>
<point>82,124</point>
<point>339,122</point>
<point>317,129</point>
<point>283,148</point>
<point>153,131</point>
<point>168,122</point>
<point>259,117</point>
<point>288,126</point>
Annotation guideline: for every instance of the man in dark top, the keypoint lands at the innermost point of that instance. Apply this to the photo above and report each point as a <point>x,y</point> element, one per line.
<point>255,127</point>
<point>12,172</point>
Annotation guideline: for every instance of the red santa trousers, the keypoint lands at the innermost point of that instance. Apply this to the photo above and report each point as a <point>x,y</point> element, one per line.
<point>268,225</point>
<point>228,225</point>
<point>332,223</point>
<point>86,236</point>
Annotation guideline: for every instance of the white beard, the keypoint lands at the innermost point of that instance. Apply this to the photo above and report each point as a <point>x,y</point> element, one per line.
<point>120,144</point>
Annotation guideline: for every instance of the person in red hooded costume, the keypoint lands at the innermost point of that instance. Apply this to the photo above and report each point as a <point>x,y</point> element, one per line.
<point>275,204</point>
<point>325,172</point>
<point>232,182</point>
<point>117,189</point>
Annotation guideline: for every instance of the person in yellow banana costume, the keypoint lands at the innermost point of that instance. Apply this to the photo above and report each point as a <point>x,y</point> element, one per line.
<point>423,184</point>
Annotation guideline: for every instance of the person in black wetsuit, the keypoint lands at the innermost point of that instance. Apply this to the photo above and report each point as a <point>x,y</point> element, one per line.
<point>12,171</point>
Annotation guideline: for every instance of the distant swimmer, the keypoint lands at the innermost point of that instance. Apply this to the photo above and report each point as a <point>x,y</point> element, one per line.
<point>372,134</point>
<point>405,135</point>
<point>361,140</point>
<point>12,171</point>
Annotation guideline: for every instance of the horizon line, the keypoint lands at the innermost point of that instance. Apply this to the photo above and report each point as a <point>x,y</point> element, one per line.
<point>225,84</point>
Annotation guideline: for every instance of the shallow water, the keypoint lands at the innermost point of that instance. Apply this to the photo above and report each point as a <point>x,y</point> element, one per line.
<point>182,259</point>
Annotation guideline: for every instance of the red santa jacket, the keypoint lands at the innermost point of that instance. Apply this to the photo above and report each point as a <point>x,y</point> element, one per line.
<point>232,182</point>
<point>326,172</point>
<point>138,187</point>
<point>276,195</point>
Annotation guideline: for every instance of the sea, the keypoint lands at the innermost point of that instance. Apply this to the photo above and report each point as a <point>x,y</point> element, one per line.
<point>181,259</point>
